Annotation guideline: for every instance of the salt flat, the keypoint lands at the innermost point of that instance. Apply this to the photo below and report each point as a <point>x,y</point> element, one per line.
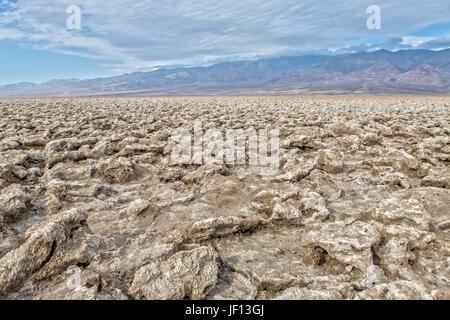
<point>92,205</point>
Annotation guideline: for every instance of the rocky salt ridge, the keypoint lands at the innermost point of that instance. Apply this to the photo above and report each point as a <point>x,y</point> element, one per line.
<point>358,210</point>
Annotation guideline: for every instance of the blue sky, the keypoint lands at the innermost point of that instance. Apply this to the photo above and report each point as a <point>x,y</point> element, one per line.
<point>120,36</point>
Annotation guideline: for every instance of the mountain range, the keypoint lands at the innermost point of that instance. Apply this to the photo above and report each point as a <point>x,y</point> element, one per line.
<point>379,72</point>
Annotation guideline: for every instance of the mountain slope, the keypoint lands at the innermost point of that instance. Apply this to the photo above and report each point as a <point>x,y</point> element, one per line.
<point>406,71</point>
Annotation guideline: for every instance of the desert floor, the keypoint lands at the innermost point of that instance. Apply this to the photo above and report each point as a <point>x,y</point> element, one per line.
<point>91,207</point>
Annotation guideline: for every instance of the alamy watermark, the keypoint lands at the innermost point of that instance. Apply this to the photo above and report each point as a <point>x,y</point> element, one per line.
<point>74,280</point>
<point>73,22</point>
<point>374,20</point>
<point>231,146</point>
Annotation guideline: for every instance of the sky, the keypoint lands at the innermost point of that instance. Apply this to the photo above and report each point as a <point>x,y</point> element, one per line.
<point>123,36</point>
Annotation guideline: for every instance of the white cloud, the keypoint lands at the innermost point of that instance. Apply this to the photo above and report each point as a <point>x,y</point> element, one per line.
<point>415,41</point>
<point>438,43</point>
<point>141,35</point>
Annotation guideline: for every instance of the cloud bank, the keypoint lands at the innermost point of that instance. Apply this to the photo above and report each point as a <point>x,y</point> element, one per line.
<point>142,35</point>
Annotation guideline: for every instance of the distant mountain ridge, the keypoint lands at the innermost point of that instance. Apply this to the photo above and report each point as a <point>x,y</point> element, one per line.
<point>405,71</point>
<point>400,72</point>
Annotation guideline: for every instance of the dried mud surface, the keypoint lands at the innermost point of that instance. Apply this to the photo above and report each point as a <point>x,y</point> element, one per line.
<point>358,210</point>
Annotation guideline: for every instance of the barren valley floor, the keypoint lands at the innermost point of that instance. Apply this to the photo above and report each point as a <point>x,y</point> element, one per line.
<point>91,206</point>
